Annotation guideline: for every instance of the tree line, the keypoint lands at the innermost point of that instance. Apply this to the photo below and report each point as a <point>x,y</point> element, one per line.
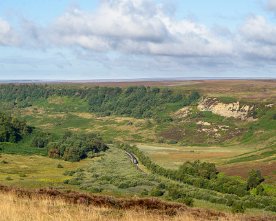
<point>135,101</point>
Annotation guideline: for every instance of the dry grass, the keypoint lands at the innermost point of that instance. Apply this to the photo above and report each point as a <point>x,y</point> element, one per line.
<point>53,205</point>
<point>13,208</point>
<point>23,209</point>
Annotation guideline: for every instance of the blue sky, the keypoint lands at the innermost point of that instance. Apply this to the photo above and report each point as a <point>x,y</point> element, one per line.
<point>109,39</point>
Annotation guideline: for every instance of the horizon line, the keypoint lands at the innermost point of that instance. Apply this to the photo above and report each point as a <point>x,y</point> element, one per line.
<point>103,80</point>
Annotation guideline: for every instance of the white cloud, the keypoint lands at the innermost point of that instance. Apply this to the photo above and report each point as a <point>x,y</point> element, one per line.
<point>258,29</point>
<point>7,35</point>
<point>141,33</point>
<point>257,39</point>
<point>136,26</point>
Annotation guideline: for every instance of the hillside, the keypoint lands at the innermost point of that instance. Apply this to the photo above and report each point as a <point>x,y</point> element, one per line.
<point>80,134</point>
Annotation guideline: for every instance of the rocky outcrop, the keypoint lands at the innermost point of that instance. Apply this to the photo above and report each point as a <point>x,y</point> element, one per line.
<point>182,113</point>
<point>235,109</point>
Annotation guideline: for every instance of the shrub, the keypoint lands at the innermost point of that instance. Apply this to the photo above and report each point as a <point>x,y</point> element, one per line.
<point>260,190</point>
<point>175,193</point>
<point>41,140</point>
<point>69,173</point>
<point>271,208</point>
<point>157,192</point>
<point>238,207</point>
<point>95,190</point>
<point>145,192</point>
<point>59,166</point>
<point>255,178</point>
<point>22,175</point>
<point>74,181</point>
<point>187,201</point>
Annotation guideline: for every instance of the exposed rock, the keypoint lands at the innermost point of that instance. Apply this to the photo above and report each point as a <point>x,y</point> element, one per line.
<point>269,105</point>
<point>183,112</point>
<point>202,123</point>
<point>235,110</point>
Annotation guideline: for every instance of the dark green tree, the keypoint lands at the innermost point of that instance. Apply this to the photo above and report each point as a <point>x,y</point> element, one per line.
<point>255,178</point>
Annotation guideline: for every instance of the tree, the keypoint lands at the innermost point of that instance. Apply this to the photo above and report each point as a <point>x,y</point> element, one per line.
<point>255,178</point>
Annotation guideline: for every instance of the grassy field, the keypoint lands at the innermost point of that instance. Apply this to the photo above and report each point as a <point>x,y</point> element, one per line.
<point>36,171</point>
<point>173,156</point>
<point>111,127</point>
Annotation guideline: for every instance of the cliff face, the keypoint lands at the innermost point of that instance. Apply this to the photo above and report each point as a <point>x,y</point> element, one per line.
<point>235,110</point>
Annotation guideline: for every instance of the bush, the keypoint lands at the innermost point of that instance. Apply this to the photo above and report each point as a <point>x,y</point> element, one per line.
<point>69,173</point>
<point>157,192</point>
<point>260,190</point>
<point>145,192</point>
<point>41,140</point>
<point>75,181</point>
<point>187,201</point>
<point>238,207</point>
<point>59,166</point>
<point>271,208</point>
<point>95,190</point>
<point>175,194</point>
<point>255,178</point>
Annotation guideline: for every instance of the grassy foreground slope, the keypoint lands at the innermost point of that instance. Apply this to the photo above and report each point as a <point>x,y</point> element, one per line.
<point>47,205</point>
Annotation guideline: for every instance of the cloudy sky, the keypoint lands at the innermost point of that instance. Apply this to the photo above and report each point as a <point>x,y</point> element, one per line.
<point>109,39</point>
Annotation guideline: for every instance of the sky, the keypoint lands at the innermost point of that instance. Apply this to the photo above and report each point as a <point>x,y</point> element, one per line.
<point>126,39</point>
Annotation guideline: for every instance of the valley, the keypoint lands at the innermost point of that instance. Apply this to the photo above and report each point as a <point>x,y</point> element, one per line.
<point>193,141</point>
